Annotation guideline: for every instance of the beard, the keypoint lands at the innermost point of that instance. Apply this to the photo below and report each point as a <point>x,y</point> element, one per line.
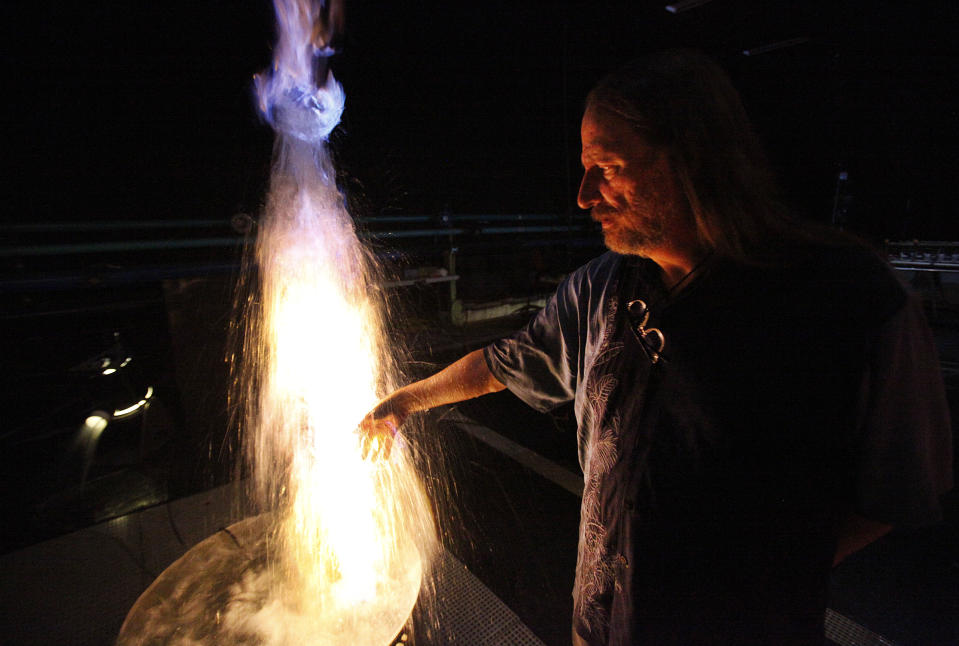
<point>631,231</point>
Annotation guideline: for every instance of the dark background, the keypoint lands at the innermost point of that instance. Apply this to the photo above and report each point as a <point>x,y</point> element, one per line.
<point>143,110</point>
<point>132,124</point>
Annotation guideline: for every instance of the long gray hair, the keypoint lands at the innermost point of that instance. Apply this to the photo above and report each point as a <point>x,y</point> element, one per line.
<point>682,101</point>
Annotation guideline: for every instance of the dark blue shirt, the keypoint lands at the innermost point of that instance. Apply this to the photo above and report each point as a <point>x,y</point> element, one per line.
<point>715,476</point>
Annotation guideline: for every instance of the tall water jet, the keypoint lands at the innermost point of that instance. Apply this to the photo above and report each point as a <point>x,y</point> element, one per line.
<point>338,554</point>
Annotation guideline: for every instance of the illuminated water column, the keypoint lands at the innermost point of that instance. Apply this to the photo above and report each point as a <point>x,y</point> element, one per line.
<point>352,531</point>
<point>339,552</point>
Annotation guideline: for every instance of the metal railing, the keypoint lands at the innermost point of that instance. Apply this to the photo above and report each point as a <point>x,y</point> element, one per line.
<point>65,255</point>
<point>924,255</point>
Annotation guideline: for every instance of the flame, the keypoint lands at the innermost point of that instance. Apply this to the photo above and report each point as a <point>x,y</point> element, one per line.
<point>353,531</point>
<point>354,534</point>
<point>290,98</point>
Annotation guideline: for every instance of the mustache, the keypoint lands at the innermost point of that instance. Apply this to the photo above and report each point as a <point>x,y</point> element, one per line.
<point>601,212</point>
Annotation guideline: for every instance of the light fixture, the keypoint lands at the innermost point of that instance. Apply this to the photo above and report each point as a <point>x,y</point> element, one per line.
<point>95,423</point>
<point>130,410</point>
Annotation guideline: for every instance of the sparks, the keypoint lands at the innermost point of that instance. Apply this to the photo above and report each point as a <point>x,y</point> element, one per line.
<point>353,533</point>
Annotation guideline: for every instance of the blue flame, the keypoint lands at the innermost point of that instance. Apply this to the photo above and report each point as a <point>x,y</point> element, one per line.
<point>291,98</point>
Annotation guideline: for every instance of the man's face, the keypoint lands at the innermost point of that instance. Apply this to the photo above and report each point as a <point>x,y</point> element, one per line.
<point>630,189</point>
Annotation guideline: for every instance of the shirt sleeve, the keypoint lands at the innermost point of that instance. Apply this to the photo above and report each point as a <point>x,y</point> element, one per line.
<point>904,444</point>
<point>539,363</point>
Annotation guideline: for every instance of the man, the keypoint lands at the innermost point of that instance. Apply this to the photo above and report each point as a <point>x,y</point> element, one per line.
<point>756,399</point>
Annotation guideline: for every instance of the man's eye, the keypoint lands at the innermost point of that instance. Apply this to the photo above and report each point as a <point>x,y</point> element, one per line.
<point>608,171</point>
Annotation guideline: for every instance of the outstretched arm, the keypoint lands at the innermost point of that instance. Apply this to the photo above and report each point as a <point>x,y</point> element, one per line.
<point>467,378</point>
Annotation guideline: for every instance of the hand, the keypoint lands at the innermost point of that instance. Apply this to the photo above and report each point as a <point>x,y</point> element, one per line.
<point>380,427</point>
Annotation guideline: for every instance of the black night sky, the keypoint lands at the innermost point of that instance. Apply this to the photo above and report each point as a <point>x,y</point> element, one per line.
<point>143,110</point>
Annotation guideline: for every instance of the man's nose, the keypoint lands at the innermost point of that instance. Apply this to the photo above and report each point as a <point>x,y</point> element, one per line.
<point>588,196</point>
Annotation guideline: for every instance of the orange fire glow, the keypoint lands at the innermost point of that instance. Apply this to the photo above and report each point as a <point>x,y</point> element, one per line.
<point>353,533</point>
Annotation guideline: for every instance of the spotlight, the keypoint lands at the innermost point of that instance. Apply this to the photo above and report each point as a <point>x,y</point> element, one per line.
<point>95,423</point>
<point>130,410</point>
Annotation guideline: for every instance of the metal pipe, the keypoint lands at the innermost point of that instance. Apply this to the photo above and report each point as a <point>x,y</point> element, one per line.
<point>125,245</point>
<point>113,225</point>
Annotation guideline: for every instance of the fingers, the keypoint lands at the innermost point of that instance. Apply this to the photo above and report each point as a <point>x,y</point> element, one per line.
<point>380,427</point>
<point>380,443</point>
<point>377,436</point>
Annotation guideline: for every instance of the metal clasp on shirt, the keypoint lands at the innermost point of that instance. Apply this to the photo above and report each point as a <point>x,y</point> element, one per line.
<point>652,339</point>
